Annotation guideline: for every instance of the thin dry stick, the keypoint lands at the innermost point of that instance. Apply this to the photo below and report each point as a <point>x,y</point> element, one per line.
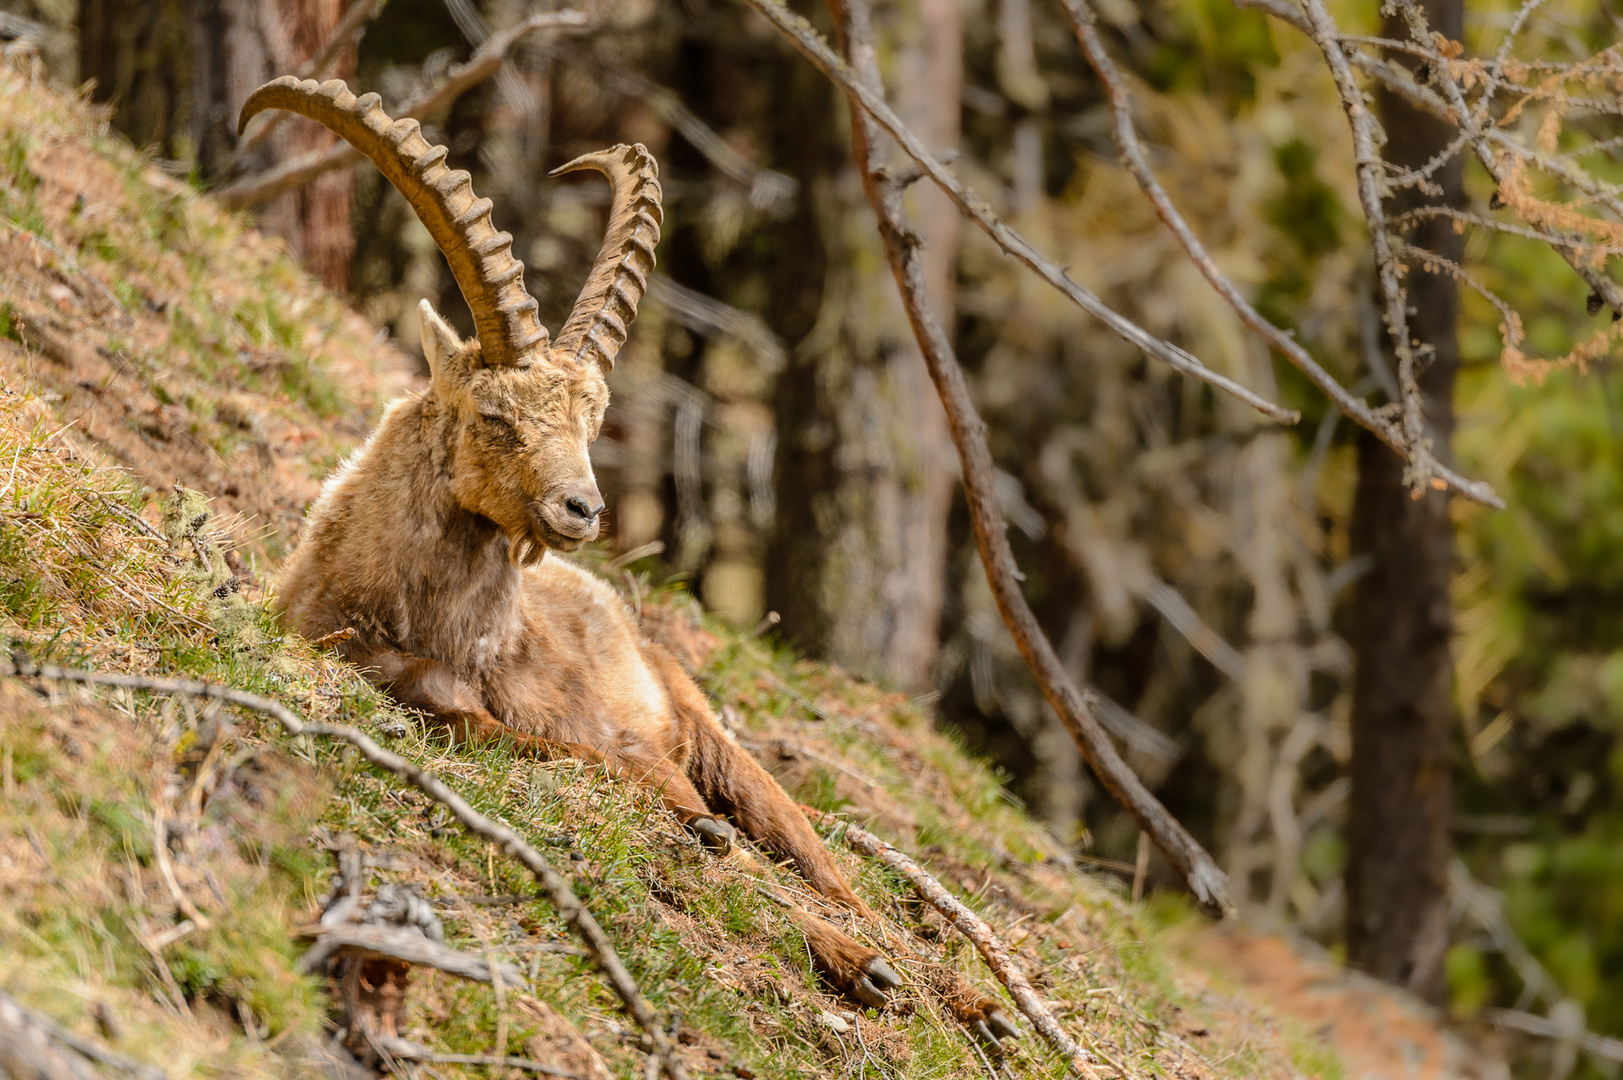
<point>1132,154</point>
<point>1465,217</point>
<point>866,99</point>
<point>973,927</point>
<point>1185,854</point>
<point>485,62</point>
<point>506,840</point>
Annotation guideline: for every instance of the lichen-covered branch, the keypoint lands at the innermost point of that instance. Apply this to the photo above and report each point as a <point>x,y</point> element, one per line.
<point>1486,141</point>
<point>1369,169</point>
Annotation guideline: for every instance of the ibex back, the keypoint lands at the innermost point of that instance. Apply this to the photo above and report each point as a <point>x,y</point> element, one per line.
<point>431,543</point>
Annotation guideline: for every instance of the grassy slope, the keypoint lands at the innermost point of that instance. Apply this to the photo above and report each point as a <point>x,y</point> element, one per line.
<point>220,364</point>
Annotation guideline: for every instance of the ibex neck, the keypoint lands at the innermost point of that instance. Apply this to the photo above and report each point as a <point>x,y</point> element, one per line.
<point>462,593</point>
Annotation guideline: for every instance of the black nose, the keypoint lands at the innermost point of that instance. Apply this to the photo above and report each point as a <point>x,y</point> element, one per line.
<point>579,507</point>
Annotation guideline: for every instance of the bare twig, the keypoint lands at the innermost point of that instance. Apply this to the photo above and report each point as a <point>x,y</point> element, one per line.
<point>769,190</point>
<point>1083,23</point>
<point>901,244</point>
<point>506,840</point>
<point>869,101</point>
<point>345,34</point>
<point>1465,217</point>
<point>485,62</point>
<point>1485,141</point>
<point>1600,1046</point>
<point>1369,170</point>
<point>973,927</point>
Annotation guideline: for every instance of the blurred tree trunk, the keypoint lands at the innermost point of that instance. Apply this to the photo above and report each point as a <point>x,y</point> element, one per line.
<point>137,52</point>
<point>865,473</point>
<point>1402,790</point>
<point>930,96</point>
<point>176,73</point>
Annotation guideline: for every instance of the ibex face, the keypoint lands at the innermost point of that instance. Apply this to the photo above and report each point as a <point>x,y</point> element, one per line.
<point>517,439</point>
<point>515,412</point>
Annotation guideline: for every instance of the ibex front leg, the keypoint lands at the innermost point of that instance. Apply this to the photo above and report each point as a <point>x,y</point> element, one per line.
<point>431,687</point>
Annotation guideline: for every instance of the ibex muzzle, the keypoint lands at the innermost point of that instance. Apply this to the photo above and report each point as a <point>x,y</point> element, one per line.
<point>430,544</point>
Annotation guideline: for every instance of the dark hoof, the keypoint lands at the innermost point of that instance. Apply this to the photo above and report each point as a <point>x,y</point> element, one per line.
<point>883,974</point>
<point>873,986</point>
<point>994,1027</point>
<point>714,834</point>
<point>1003,1027</point>
<point>866,992</point>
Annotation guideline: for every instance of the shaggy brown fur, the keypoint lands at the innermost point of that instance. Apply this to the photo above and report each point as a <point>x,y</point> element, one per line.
<point>432,543</point>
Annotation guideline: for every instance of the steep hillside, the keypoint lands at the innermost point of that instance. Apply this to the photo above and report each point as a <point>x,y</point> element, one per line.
<point>163,858</point>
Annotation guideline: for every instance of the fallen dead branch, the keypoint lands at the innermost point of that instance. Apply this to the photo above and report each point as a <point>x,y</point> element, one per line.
<point>973,927</point>
<point>508,842</point>
<point>405,1050</point>
<point>902,244</point>
<point>869,102</point>
<point>485,62</point>
<point>32,1045</point>
<point>393,943</point>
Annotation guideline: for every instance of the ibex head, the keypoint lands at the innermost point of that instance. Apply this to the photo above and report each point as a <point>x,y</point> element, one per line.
<point>517,411</point>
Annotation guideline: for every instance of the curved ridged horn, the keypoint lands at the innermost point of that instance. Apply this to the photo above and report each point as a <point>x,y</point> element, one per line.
<point>481,258</point>
<point>597,326</point>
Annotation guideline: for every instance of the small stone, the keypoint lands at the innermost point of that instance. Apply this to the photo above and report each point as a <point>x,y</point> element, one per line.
<point>834,1023</point>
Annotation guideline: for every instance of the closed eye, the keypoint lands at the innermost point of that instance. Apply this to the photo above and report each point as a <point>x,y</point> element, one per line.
<point>499,426</point>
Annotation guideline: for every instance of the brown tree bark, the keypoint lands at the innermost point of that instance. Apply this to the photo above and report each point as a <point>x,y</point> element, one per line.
<point>1402,792</point>
<point>137,53</point>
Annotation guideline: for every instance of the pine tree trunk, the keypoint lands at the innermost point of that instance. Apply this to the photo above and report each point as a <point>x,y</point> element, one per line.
<point>1402,791</point>
<point>930,102</point>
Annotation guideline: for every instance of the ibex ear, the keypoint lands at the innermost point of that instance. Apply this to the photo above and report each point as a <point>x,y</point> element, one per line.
<point>440,342</point>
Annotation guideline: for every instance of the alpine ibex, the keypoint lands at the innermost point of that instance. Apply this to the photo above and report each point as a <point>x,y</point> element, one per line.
<point>431,543</point>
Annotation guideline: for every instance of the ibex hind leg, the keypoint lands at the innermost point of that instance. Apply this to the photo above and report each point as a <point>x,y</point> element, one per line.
<point>733,782</point>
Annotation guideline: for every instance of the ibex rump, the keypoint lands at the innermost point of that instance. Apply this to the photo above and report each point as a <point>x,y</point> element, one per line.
<point>431,542</point>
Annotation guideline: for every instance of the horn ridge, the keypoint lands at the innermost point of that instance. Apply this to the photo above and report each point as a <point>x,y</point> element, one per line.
<point>599,323</point>
<point>492,281</point>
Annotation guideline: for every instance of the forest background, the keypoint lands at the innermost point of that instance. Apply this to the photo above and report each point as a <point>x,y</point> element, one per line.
<point>1196,565</point>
